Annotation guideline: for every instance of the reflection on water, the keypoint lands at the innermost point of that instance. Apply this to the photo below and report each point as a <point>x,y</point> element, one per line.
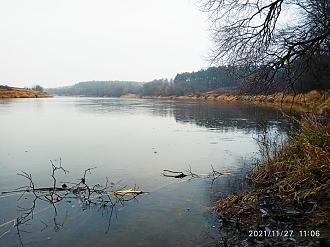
<point>219,116</point>
<point>131,141</point>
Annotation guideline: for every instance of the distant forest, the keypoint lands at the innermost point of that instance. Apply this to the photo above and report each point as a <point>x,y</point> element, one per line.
<point>98,89</point>
<point>210,79</point>
<point>184,83</point>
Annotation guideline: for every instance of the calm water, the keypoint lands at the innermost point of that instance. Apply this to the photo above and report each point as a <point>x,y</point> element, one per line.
<point>130,141</point>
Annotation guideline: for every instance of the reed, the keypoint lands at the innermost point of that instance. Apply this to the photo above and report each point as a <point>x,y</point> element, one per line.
<point>300,169</point>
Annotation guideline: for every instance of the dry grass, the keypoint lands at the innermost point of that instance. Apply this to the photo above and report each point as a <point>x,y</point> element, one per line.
<point>297,175</point>
<point>13,92</point>
<point>300,169</point>
<point>314,101</point>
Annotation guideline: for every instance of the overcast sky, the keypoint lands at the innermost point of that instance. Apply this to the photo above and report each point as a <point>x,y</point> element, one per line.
<point>61,42</point>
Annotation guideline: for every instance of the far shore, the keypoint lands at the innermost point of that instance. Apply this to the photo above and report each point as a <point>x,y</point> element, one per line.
<point>15,92</point>
<point>314,101</point>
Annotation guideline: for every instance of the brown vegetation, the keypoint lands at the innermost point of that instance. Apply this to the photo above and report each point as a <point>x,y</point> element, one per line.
<point>292,187</point>
<point>300,169</point>
<point>14,92</point>
<point>313,101</point>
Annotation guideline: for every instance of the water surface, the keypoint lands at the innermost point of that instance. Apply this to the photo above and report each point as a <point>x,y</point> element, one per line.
<point>131,141</point>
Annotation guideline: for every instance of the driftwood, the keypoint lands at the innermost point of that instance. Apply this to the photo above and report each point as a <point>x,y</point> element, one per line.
<point>188,173</point>
<point>106,196</point>
<point>128,192</point>
<point>173,174</point>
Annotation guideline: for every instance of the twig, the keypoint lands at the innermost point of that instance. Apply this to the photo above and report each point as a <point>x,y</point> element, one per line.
<point>104,196</point>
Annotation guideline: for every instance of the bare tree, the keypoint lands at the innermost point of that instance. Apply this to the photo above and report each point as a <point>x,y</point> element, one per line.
<point>38,88</point>
<point>271,38</point>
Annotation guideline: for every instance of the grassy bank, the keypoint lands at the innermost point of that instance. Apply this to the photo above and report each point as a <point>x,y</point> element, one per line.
<point>292,192</point>
<point>14,92</point>
<point>313,101</point>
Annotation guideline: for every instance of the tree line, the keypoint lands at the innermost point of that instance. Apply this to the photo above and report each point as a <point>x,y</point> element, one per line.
<point>210,79</point>
<point>184,83</point>
<point>98,89</point>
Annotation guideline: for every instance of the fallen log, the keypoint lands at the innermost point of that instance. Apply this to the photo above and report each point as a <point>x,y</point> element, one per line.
<point>174,174</point>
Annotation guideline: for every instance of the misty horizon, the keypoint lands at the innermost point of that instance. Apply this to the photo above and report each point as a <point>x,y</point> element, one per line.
<point>62,43</point>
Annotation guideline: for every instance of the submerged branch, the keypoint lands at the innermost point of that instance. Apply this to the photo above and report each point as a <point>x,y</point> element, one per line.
<point>103,196</point>
<point>188,173</point>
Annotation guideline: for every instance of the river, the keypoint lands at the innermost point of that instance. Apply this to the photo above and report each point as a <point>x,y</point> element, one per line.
<point>129,141</point>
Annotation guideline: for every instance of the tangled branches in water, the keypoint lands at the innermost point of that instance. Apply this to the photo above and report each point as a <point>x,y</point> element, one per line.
<point>106,196</point>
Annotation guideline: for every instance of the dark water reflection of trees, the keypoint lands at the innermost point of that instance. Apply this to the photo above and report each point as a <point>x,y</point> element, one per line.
<point>227,116</point>
<point>211,115</point>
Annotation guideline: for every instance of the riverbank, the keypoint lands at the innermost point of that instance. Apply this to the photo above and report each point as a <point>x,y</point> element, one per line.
<point>14,92</point>
<point>290,203</point>
<point>314,101</point>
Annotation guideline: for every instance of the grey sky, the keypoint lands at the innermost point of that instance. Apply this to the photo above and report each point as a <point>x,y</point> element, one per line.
<point>61,42</point>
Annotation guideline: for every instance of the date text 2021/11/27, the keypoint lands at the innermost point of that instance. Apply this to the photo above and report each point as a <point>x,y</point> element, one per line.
<point>284,233</point>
